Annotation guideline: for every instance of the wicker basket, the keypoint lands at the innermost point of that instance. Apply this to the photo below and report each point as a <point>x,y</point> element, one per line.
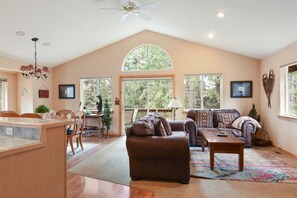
<point>264,141</point>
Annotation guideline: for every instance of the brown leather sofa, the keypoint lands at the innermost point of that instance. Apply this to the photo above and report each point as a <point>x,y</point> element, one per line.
<point>209,119</point>
<point>160,157</point>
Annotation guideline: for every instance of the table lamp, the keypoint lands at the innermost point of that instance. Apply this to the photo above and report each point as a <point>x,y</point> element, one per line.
<point>174,105</point>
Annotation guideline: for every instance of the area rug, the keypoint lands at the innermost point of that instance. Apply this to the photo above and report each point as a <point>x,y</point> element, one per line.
<point>78,151</point>
<point>111,163</point>
<point>260,166</point>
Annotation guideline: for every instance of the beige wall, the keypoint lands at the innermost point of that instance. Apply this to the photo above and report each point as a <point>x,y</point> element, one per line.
<point>11,89</point>
<point>9,68</point>
<point>282,131</point>
<point>187,57</point>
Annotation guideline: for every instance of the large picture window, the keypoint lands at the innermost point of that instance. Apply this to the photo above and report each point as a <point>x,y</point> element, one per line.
<point>202,91</point>
<point>288,84</point>
<point>147,58</point>
<point>91,88</point>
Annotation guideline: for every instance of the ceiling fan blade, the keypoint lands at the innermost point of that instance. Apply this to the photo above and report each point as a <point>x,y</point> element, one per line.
<point>124,2</point>
<point>147,18</point>
<point>124,17</point>
<point>112,9</point>
<point>147,6</point>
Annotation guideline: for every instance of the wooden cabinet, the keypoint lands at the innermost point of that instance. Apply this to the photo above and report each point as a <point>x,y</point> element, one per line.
<point>36,168</point>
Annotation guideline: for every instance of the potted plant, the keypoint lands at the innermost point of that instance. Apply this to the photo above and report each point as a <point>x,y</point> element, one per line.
<point>253,114</point>
<point>42,110</point>
<point>107,119</point>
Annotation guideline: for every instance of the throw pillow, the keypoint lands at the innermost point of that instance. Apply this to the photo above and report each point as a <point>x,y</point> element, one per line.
<point>159,127</point>
<point>143,128</point>
<point>225,120</point>
<point>203,118</point>
<point>166,125</point>
<point>239,121</point>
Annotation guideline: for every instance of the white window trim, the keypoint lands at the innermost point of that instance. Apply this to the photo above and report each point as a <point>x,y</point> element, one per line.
<point>207,74</point>
<point>154,70</point>
<point>284,106</point>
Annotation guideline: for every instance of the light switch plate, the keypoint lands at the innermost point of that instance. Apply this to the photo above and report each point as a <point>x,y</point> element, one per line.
<point>9,131</point>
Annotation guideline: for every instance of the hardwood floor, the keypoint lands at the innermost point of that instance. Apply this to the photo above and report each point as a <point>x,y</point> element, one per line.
<point>85,187</point>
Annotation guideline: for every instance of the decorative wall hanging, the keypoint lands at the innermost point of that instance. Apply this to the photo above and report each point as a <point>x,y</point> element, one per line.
<point>241,89</point>
<point>268,84</point>
<point>42,93</point>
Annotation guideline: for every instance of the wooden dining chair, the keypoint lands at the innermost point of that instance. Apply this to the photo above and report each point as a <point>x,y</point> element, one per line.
<point>31,115</point>
<point>64,114</point>
<point>76,129</point>
<point>9,114</point>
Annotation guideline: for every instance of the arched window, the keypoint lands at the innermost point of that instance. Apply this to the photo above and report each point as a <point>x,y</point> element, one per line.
<point>147,58</point>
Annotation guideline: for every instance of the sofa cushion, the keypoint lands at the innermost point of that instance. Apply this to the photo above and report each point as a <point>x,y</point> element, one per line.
<point>166,125</point>
<point>203,118</point>
<point>159,127</point>
<point>143,127</point>
<point>225,120</point>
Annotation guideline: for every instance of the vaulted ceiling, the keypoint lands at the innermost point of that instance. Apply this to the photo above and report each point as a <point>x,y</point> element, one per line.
<point>255,28</point>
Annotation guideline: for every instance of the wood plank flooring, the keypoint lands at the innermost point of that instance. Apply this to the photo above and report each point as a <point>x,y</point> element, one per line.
<point>85,187</point>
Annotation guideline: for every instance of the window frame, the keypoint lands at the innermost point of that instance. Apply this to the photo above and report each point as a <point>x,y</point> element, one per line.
<point>284,93</point>
<point>206,74</point>
<point>82,90</point>
<point>154,70</point>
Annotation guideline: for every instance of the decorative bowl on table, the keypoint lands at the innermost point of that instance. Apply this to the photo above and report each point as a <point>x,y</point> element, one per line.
<point>222,134</point>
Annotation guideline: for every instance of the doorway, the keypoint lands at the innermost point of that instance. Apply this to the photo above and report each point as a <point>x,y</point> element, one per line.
<point>145,95</point>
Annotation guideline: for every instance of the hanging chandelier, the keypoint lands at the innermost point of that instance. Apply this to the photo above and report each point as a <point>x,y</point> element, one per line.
<point>31,71</point>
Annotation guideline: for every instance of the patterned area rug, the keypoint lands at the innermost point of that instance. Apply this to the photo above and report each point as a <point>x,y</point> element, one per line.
<point>259,166</point>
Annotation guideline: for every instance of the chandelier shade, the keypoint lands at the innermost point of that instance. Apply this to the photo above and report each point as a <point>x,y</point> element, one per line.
<point>31,71</point>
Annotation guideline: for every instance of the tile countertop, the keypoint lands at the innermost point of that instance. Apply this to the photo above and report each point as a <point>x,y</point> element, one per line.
<point>7,143</point>
<point>33,122</point>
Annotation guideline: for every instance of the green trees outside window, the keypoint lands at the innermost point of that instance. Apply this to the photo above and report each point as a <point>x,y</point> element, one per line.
<point>147,58</point>
<point>91,88</point>
<point>202,91</point>
<point>292,90</point>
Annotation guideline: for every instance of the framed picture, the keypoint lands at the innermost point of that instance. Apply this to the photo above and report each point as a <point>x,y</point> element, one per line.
<point>43,93</point>
<point>67,91</point>
<point>241,89</point>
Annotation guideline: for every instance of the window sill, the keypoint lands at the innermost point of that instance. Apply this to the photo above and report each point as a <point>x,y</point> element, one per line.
<point>288,117</point>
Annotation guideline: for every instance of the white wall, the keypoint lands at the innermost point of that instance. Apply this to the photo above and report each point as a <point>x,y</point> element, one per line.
<point>283,132</point>
<point>187,57</point>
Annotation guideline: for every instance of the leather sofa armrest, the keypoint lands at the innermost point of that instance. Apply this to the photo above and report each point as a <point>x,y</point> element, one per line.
<point>177,125</point>
<point>174,147</point>
<point>129,131</point>
<point>190,126</point>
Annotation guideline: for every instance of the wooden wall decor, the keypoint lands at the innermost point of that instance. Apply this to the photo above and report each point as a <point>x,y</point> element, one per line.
<point>43,93</point>
<point>268,84</point>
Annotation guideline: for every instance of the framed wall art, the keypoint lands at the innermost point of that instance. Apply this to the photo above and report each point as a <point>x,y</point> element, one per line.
<point>241,89</point>
<point>42,93</point>
<point>67,91</point>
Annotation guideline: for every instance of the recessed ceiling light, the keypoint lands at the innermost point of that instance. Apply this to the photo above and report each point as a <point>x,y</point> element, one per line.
<point>46,44</point>
<point>211,35</point>
<point>20,33</point>
<point>221,14</point>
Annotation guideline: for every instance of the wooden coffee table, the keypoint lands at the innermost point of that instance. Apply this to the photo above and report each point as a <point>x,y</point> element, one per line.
<point>229,144</point>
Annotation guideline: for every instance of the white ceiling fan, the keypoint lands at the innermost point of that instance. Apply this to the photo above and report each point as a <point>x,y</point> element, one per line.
<point>130,7</point>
